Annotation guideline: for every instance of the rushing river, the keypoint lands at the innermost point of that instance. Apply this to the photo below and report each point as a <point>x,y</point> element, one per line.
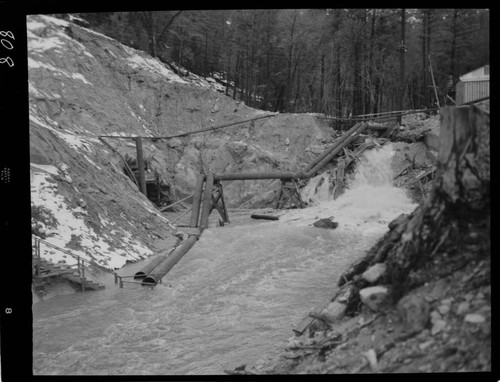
<point>232,299</point>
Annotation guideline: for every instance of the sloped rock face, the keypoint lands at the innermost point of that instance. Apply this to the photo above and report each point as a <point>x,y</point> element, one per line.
<point>83,84</point>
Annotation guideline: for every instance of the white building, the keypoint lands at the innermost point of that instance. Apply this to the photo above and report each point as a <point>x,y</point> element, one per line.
<point>473,85</point>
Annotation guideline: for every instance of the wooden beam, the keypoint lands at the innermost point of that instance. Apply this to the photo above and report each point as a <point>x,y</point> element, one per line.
<point>177,202</point>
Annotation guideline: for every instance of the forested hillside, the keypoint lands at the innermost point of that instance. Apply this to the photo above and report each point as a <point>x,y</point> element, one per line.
<point>336,61</point>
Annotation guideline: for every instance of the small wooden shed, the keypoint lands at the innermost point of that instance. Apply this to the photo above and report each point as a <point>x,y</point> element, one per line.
<point>473,85</point>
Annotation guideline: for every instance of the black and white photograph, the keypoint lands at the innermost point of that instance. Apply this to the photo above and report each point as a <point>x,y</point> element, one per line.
<point>258,192</point>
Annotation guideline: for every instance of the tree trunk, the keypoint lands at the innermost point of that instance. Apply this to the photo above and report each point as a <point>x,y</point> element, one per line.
<point>424,60</point>
<point>236,74</point>
<point>453,71</point>
<point>356,93</point>
<point>228,70</point>
<point>458,202</point>
<point>339,88</point>
<point>402,63</point>
<point>320,108</point>
<point>370,101</point>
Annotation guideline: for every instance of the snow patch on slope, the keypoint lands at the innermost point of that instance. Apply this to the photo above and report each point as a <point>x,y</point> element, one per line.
<point>71,222</point>
<point>33,64</point>
<point>137,61</point>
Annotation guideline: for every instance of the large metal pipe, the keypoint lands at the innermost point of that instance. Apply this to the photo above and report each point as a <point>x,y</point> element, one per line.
<point>324,158</point>
<point>149,267</point>
<point>155,270</point>
<point>257,175</point>
<point>197,201</point>
<point>167,264</point>
<point>207,202</point>
<point>140,165</point>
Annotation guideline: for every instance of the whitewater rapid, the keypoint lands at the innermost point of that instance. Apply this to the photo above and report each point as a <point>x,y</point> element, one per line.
<point>370,202</point>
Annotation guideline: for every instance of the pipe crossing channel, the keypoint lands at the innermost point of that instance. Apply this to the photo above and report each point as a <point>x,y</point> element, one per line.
<point>204,202</point>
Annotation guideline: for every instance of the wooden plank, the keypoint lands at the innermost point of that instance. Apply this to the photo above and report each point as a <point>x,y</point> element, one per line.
<point>266,217</point>
<point>53,274</point>
<point>177,202</point>
<point>181,216</point>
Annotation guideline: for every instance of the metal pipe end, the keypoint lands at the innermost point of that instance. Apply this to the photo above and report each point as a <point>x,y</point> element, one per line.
<point>139,275</point>
<point>149,281</point>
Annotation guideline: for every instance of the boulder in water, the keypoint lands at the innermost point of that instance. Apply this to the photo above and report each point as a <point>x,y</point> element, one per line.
<point>326,223</point>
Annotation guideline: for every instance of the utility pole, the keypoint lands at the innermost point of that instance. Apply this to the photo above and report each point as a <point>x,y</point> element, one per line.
<point>402,51</point>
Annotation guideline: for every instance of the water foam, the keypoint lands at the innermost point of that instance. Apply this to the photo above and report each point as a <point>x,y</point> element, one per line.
<point>370,202</point>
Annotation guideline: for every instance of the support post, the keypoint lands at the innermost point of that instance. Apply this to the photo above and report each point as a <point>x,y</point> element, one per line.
<point>37,249</point>
<point>207,202</point>
<point>195,214</point>
<point>278,198</point>
<point>78,264</point>
<point>116,278</point>
<point>219,204</point>
<point>140,165</point>
<point>83,276</point>
<point>121,282</point>
<point>289,193</point>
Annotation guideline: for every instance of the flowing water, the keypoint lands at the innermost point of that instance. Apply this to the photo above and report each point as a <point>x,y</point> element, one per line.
<point>232,299</point>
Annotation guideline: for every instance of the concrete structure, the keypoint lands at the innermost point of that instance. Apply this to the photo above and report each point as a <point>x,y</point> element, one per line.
<point>473,85</point>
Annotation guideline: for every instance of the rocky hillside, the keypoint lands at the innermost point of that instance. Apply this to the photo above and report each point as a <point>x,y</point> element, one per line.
<point>83,84</point>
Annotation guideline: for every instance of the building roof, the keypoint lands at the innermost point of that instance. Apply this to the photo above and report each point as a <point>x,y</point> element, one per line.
<point>479,74</point>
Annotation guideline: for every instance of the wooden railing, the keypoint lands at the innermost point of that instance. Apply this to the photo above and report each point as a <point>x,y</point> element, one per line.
<point>81,262</point>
